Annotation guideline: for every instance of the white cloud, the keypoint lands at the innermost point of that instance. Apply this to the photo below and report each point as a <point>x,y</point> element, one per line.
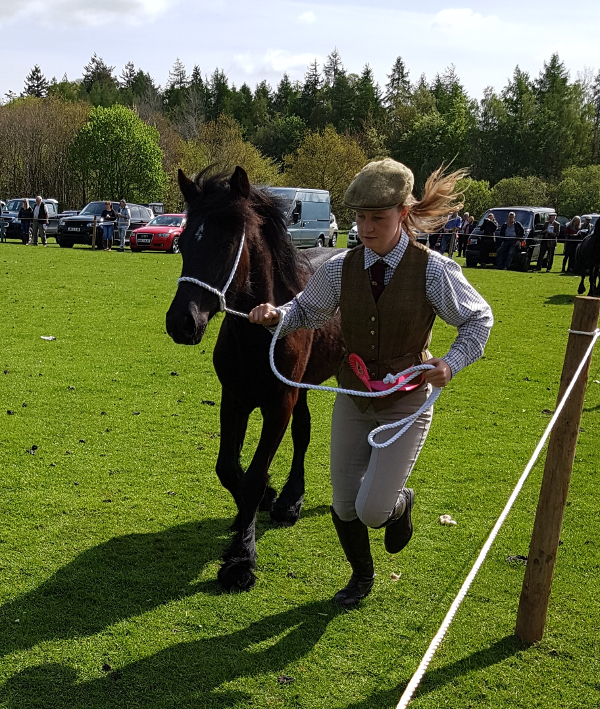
<point>88,13</point>
<point>464,20</point>
<point>307,17</point>
<point>273,61</point>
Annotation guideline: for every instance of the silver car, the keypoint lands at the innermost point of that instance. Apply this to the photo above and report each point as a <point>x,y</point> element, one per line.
<point>353,236</point>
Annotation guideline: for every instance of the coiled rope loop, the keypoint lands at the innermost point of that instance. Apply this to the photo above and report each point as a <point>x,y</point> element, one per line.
<point>412,372</point>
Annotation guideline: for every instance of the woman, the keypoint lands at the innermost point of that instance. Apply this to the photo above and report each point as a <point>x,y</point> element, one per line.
<point>571,232</point>
<point>25,216</point>
<point>108,225</point>
<point>389,291</point>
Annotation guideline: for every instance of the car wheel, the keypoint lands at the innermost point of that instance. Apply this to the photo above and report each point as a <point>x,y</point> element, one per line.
<point>320,242</point>
<point>471,263</point>
<point>174,245</point>
<point>135,249</point>
<point>65,245</point>
<point>333,240</point>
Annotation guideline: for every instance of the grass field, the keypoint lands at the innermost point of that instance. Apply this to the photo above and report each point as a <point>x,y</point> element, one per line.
<point>110,532</point>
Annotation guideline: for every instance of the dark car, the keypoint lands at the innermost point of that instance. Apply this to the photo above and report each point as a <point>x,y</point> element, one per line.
<point>78,229</point>
<point>532,219</point>
<point>10,215</point>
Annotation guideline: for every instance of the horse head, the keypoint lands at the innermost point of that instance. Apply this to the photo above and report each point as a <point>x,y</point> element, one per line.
<point>217,214</point>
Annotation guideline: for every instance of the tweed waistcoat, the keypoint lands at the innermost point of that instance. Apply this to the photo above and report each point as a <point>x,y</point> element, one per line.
<point>390,334</point>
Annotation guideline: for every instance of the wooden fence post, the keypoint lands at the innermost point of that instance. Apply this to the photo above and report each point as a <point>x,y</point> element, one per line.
<point>537,584</point>
<point>94,233</point>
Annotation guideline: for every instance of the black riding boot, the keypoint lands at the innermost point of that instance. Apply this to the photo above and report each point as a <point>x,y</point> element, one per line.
<point>399,529</point>
<point>354,538</point>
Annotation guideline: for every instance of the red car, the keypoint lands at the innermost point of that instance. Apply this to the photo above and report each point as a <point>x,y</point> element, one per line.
<point>160,234</point>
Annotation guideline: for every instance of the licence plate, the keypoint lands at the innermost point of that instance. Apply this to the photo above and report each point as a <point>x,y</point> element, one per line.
<point>494,254</point>
<point>144,241</point>
<point>473,241</point>
<point>74,228</point>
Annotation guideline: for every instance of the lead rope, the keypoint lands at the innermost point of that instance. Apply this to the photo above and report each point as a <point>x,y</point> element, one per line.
<point>405,423</point>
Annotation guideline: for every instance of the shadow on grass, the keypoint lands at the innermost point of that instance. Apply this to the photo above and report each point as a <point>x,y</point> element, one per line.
<point>123,577</point>
<point>184,675</point>
<point>436,679</point>
<point>560,299</point>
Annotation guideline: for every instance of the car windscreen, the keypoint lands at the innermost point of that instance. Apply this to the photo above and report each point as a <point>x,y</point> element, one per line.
<point>523,216</point>
<point>286,198</point>
<point>165,220</point>
<point>14,205</point>
<point>93,208</point>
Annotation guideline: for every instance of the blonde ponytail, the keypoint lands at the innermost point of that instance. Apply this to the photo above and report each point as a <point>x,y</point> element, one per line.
<point>430,213</point>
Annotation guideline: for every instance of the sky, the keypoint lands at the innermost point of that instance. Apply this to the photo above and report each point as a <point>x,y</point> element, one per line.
<point>262,40</point>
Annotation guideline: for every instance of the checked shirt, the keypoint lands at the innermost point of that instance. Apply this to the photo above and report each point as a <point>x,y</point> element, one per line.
<point>448,292</point>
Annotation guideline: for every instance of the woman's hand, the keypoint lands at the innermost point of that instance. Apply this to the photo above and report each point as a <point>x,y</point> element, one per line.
<point>441,375</point>
<point>264,314</point>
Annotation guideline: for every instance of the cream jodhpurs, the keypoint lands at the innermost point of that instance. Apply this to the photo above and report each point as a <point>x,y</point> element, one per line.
<point>367,481</point>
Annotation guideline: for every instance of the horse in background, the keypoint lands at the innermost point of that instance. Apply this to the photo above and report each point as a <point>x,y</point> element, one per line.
<point>270,270</point>
<point>587,261</point>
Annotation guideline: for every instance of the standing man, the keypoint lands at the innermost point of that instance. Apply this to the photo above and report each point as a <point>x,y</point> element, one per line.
<point>40,223</point>
<point>487,240</point>
<point>123,222</point>
<point>511,232</point>
<point>451,228</point>
<point>549,237</point>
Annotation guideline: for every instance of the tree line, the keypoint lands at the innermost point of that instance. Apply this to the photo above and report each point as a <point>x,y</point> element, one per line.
<point>536,141</point>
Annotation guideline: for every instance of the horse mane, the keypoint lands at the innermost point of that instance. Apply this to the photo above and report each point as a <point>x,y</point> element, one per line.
<point>263,210</point>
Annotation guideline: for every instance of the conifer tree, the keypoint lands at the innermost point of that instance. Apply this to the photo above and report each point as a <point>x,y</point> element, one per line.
<point>36,83</point>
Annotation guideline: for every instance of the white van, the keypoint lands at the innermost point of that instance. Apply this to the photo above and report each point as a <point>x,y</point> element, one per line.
<point>308,213</point>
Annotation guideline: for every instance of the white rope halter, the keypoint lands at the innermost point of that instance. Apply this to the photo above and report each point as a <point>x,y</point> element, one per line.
<point>221,294</point>
<point>405,423</point>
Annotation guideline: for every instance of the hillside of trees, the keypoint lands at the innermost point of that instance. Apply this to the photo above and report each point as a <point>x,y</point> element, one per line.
<point>536,141</point>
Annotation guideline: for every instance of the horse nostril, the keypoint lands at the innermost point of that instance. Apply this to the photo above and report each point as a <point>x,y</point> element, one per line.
<point>188,326</point>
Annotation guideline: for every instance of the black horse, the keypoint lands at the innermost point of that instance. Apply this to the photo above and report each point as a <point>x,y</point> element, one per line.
<point>270,270</point>
<point>587,261</point>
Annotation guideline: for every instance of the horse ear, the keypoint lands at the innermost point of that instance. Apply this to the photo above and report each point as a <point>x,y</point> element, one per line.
<point>188,188</point>
<point>239,182</point>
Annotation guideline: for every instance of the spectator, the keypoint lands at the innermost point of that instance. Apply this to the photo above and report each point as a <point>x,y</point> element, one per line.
<point>449,233</point>
<point>108,225</point>
<point>549,236</point>
<point>39,224</point>
<point>465,221</point>
<point>25,217</point>
<point>511,232</point>
<point>488,240</point>
<point>586,227</point>
<point>124,220</point>
<point>463,237</point>
<point>571,232</point>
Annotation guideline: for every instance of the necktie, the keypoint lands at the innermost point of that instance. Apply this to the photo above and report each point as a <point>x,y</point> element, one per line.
<point>377,278</point>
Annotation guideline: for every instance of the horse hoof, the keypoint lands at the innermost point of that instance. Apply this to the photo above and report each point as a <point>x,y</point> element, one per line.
<point>266,504</point>
<point>236,576</point>
<point>286,515</point>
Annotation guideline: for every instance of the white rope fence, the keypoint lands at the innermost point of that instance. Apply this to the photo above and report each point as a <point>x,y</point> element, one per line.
<point>439,636</point>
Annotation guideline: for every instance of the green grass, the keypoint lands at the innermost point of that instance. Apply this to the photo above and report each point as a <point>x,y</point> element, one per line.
<point>110,534</point>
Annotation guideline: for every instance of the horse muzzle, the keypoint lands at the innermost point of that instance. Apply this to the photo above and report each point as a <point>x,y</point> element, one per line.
<point>186,322</point>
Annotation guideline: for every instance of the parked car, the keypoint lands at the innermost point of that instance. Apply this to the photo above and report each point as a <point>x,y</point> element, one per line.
<point>532,220</point>
<point>78,228</point>
<point>333,230</point>
<point>10,215</point>
<point>308,215</point>
<point>160,234</point>
<point>353,236</point>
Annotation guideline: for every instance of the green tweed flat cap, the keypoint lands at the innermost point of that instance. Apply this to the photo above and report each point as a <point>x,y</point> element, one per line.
<point>382,184</point>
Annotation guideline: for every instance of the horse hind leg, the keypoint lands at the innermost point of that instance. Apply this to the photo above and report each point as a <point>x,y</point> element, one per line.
<point>287,507</point>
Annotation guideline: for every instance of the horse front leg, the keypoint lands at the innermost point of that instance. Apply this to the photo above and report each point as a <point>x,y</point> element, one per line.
<point>234,422</point>
<point>239,560</point>
<point>287,507</point>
